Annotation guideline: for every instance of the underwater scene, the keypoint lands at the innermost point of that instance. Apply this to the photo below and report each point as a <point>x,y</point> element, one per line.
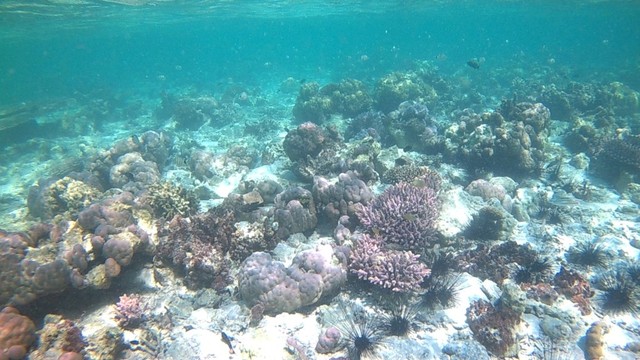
<point>315,180</point>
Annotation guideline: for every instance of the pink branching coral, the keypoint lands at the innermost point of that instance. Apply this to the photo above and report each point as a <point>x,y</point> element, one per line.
<point>398,271</point>
<point>404,215</point>
<point>130,311</point>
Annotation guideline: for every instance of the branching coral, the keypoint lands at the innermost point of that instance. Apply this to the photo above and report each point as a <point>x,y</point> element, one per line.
<point>168,200</point>
<point>398,271</point>
<point>404,216</point>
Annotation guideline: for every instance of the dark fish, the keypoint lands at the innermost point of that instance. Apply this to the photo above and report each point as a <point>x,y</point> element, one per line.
<point>227,340</point>
<point>135,139</point>
<point>302,81</point>
<point>408,148</point>
<point>474,63</point>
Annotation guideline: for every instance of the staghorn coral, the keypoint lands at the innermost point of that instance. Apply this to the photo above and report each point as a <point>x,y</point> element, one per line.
<point>404,215</point>
<point>313,275</point>
<point>398,271</point>
<point>17,334</point>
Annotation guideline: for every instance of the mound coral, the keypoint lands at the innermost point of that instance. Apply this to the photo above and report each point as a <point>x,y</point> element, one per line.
<point>313,275</point>
<point>509,141</point>
<point>341,198</point>
<point>493,327</point>
<point>17,333</point>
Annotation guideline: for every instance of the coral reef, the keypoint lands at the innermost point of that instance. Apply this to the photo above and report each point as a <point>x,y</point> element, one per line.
<point>198,247</point>
<point>594,342</point>
<point>410,172</point>
<point>307,140</point>
<point>168,200</point>
<point>491,223</point>
<point>510,141</point>
<point>132,163</point>
<point>493,327</point>
<point>64,196</point>
<point>17,334</point>
<point>575,287</point>
<point>313,275</point>
<point>397,87</point>
<point>398,271</point>
<point>348,98</point>
<point>495,262</point>
<point>130,311</point>
<point>187,112</point>
<point>403,215</point>
<point>59,338</point>
<point>26,275</point>
<point>342,198</point>
<point>295,212</point>
<point>411,127</point>
<point>328,340</point>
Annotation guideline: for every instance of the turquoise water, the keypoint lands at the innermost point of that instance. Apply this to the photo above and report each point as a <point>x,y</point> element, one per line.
<point>117,115</point>
<point>56,49</point>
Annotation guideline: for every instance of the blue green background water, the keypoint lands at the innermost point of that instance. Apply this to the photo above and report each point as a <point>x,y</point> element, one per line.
<point>53,49</point>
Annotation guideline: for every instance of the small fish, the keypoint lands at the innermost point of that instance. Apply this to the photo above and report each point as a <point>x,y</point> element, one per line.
<point>135,139</point>
<point>410,217</point>
<point>408,148</point>
<point>376,232</point>
<point>441,57</point>
<point>474,63</point>
<point>227,340</point>
<point>419,183</point>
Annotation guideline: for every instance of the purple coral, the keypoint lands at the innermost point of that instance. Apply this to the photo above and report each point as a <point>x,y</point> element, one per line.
<point>399,271</point>
<point>312,276</point>
<point>130,311</point>
<point>341,198</point>
<point>404,215</point>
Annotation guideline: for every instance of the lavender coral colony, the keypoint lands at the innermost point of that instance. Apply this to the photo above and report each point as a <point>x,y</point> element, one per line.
<point>410,215</point>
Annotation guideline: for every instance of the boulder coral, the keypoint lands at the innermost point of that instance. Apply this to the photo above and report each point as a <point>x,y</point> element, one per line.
<point>17,334</point>
<point>313,275</point>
